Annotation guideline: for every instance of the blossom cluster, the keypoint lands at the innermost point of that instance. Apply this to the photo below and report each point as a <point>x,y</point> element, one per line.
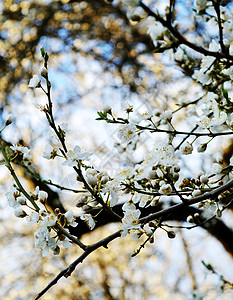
<point>158,175</point>
<point>45,220</point>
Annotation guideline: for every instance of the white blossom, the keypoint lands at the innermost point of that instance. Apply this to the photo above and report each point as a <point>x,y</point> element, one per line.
<point>130,221</point>
<point>48,220</point>
<point>228,72</point>
<point>33,217</point>
<point>136,234</point>
<point>124,174</point>
<point>88,219</point>
<point>128,206</point>
<point>112,187</point>
<point>127,132</point>
<point>65,243</point>
<point>65,129</point>
<point>107,108</point>
<point>202,76</point>
<point>231,161</point>
<point>34,81</point>
<point>70,218</point>
<point>166,115</point>
<point>208,122</point>
<point>42,196</point>
<point>91,176</point>
<point>186,148</point>
<point>229,120</point>
<point>12,196</point>
<point>136,14</point>
<point>49,152</point>
<point>92,180</point>
<point>207,65</point>
<point>179,55</point>
<point>73,156</point>
<point>165,189</point>
<point>155,31</point>
<point>231,49</point>
<point>22,150</point>
<point>128,107</point>
<point>43,241</point>
<point>141,198</point>
<point>200,5</point>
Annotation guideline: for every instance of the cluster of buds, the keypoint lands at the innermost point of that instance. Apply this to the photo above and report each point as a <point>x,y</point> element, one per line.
<point>95,178</point>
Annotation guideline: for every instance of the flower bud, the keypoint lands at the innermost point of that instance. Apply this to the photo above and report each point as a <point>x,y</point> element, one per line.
<point>201,148</point>
<point>9,120</point>
<point>196,193</point>
<point>171,234</point>
<point>86,208</point>
<point>21,200</point>
<point>19,213</point>
<point>218,213</point>
<point>92,180</point>
<point>43,72</point>
<point>107,109</point>
<point>204,179</point>
<point>56,251</point>
<point>190,219</point>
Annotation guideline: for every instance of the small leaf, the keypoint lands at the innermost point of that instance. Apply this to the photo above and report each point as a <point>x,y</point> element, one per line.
<point>42,52</point>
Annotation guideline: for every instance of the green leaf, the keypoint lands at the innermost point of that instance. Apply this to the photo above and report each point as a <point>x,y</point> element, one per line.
<point>42,52</point>
<point>103,115</point>
<point>7,149</point>
<point>225,94</point>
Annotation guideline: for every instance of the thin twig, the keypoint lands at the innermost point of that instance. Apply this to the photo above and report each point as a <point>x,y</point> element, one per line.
<point>208,195</point>
<point>181,38</point>
<point>13,174</point>
<point>70,237</point>
<point>89,249</point>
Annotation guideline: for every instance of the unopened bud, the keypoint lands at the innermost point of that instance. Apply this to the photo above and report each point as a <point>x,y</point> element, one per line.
<point>19,213</point>
<point>190,219</point>
<point>218,213</point>
<point>171,234</point>
<point>201,148</point>
<point>57,211</point>
<point>107,109</point>
<point>43,72</point>
<point>21,200</point>
<point>56,251</point>
<point>9,120</point>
